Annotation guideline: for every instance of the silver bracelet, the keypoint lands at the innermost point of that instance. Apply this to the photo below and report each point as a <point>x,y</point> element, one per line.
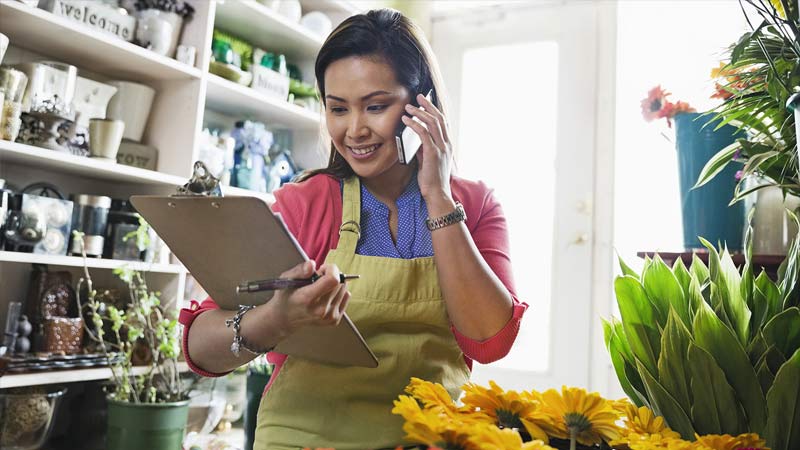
<point>454,217</point>
<point>238,340</point>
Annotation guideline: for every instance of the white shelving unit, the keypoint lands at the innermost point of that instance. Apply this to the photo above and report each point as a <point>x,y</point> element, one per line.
<point>188,99</point>
<point>92,263</point>
<point>227,97</point>
<point>66,376</point>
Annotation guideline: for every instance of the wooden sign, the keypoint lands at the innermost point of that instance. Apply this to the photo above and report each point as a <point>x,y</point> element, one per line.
<point>96,15</point>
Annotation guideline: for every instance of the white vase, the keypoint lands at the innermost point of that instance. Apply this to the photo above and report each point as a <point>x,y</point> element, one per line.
<point>773,230</point>
<point>131,104</point>
<point>161,29</point>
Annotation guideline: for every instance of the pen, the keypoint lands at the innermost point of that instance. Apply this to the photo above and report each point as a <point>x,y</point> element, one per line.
<point>284,283</point>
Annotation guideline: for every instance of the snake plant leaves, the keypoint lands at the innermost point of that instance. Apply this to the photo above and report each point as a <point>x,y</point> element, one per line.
<point>783,401</point>
<point>626,270</point>
<point>699,270</point>
<point>673,372</point>
<point>682,275</point>
<point>713,336</point>
<point>783,331</point>
<point>638,320</point>
<point>695,296</point>
<point>715,409</point>
<point>616,348</point>
<point>765,378</point>
<point>726,276</point>
<point>664,405</point>
<point>772,292</point>
<point>664,290</point>
<point>756,348</point>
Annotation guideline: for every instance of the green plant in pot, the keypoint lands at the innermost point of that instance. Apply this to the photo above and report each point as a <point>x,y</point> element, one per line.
<point>147,407</point>
<point>757,83</point>
<point>712,351</point>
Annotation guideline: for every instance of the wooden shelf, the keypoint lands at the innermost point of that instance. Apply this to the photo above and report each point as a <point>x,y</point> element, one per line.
<point>225,96</point>
<point>29,155</point>
<point>267,29</point>
<point>69,41</point>
<point>66,376</point>
<point>92,263</point>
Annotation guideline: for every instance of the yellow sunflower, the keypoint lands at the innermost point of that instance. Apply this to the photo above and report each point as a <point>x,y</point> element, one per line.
<point>507,409</point>
<point>573,412</point>
<point>728,442</point>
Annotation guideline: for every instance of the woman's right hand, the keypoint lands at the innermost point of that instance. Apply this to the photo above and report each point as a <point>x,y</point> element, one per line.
<point>320,303</point>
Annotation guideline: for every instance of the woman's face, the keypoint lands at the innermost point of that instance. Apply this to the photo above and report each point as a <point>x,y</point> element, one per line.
<point>364,103</point>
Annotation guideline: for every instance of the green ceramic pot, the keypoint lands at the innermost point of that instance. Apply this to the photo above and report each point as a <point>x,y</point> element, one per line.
<point>151,426</point>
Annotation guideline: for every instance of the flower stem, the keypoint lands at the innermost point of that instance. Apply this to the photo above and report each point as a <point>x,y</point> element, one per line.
<point>572,434</point>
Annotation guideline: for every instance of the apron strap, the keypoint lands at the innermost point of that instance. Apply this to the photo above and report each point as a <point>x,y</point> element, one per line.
<point>350,231</point>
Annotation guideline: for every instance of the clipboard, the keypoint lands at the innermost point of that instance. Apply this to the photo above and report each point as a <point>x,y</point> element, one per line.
<point>224,241</point>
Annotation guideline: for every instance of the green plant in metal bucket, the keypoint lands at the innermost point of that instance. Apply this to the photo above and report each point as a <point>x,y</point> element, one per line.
<point>711,350</point>
<point>142,324</point>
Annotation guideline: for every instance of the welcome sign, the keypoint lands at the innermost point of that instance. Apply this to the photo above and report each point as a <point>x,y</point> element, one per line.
<point>96,15</point>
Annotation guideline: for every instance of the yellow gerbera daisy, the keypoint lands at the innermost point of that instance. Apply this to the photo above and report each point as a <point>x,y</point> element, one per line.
<point>433,427</point>
<point>641,421</point>
<point>655,441</point>
<point>536,445</point>
<point>430,394</point>
<point>728,442</point>
<point>507,409</point>
<point>574,412</point>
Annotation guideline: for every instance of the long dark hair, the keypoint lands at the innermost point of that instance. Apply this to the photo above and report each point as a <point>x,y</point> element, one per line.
<point>390,36</point>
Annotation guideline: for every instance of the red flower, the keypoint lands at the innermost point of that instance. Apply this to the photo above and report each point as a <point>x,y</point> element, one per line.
<point>656,106</point>
<point>653,104</point>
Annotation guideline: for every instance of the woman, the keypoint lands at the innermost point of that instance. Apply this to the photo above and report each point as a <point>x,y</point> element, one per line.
<point>433,295</point>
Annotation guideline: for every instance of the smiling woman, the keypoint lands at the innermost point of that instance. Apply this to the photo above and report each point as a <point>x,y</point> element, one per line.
<point>436,290</point>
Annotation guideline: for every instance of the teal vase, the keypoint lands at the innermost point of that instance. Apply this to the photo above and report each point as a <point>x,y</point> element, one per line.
<point>706,211</point>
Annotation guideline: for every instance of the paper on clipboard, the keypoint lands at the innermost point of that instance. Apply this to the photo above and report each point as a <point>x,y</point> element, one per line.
<point>225,241</point>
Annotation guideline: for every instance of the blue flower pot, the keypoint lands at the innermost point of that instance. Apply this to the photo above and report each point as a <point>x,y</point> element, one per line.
<point>705,210</point>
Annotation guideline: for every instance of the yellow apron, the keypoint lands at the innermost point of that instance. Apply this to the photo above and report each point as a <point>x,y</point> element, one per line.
<point>398,308</point>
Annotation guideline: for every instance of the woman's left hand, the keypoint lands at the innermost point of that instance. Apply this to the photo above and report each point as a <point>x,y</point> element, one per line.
<point>435,160</point>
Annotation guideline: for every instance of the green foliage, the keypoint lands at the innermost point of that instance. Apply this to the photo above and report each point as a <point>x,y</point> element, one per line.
<point>726,358</point>
<point>762,72</point>
<point>143,323</point>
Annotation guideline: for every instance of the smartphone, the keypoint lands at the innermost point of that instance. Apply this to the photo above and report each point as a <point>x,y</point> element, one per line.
<point>407,140</point>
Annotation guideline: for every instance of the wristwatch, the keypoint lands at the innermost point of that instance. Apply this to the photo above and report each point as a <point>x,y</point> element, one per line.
<point>454,217</point>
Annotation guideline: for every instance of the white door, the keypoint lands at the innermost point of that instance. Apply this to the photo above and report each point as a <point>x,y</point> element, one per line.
<point>522,82</point>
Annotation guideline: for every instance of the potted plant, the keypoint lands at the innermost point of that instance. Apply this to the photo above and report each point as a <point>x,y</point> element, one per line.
<point>710,350</point>
<point>149,409</point>
<point>705,211</point>
<point>757,83</point>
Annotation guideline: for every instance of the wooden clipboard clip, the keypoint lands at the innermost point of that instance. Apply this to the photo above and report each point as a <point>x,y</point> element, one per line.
<point>201,184</point>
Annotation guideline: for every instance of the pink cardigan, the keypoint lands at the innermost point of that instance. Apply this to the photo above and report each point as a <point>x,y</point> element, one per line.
<point>312,211</point>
